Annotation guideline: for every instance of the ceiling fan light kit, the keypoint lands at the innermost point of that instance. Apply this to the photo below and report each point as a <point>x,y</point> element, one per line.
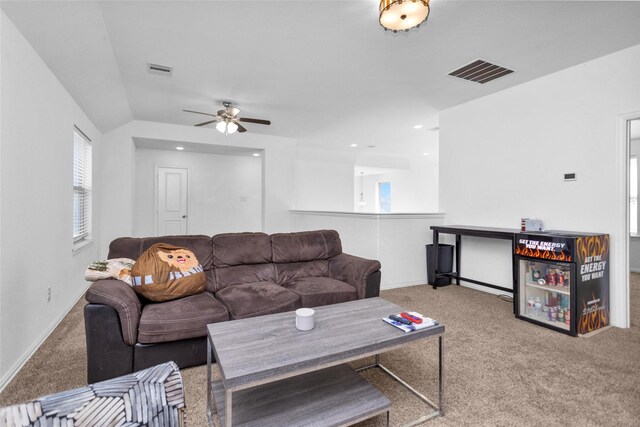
<point>226,127</point>
<point>403,15</point>
<point>227,120</point>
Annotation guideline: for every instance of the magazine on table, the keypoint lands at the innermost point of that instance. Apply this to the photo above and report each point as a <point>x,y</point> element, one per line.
<point>422,322</point>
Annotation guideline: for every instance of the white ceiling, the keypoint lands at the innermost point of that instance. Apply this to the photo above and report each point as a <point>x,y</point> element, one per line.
<point>323,72</point>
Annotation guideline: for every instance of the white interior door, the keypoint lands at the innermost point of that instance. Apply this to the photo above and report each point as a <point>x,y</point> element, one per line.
<point>173,188</point>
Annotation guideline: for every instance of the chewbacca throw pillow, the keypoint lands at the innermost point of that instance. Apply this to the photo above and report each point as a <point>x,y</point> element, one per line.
<point>165,272</point>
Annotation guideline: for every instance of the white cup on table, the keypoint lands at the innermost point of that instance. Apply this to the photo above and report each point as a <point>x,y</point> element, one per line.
<point>305,319</point>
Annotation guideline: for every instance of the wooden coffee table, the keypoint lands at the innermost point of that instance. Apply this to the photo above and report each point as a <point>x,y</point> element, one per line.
<point>273,374</point>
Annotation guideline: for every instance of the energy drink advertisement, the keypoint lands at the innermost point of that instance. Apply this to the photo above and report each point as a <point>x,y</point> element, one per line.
<point>569,273</point>
<point>593,282</point>
<point>544,247</point>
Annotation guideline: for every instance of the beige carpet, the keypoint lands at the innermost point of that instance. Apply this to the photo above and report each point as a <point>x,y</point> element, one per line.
<point>498,371</point>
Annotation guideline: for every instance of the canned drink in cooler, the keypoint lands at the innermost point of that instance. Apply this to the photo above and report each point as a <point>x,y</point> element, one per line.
<point>551,279</point>
<point>560,278</point>
<point>530,303</point>
<point>567,317</point>
<point>535,275</point>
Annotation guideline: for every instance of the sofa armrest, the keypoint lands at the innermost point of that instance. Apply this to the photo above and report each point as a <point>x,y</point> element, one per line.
<point>354,271</point>
<point>107,354</point>
<point>120,296</point>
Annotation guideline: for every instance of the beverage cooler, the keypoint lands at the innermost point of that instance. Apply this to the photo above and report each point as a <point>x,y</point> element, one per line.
<point>562,280</point>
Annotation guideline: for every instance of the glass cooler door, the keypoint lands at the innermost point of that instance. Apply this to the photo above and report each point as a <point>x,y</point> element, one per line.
<point>545,292</point>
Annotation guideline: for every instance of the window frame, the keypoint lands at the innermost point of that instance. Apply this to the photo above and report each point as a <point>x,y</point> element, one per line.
<point>82,187</point>
<point>379,206</point>
<point>633,198</point>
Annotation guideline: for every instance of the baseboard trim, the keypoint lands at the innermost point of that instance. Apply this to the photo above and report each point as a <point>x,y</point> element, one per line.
<point>4,381</point>
<point>402,284</point>
<point>634,270</point>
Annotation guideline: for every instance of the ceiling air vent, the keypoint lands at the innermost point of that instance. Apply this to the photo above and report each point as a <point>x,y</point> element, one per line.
<point>480,71</point>
<point>159,69</point>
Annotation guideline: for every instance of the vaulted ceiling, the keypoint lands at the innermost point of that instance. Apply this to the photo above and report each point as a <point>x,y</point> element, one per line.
<point>324,72</point>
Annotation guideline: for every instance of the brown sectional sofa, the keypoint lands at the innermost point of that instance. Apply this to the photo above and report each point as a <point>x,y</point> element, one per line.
<point>248,274</point>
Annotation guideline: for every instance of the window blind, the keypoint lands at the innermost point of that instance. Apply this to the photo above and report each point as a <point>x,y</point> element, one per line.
<point>81,185</point>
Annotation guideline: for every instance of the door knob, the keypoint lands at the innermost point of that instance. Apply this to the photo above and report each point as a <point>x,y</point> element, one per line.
<point>184,216</point>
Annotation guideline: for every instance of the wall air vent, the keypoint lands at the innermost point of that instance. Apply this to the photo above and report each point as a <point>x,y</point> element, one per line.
<point>159,69</point>
<point>480,72</point>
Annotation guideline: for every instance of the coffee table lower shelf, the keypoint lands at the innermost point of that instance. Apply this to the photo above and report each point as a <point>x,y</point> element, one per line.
<point>336,396</point>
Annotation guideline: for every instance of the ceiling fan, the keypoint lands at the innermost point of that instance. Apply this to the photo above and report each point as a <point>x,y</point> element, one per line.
<point>227,120</point>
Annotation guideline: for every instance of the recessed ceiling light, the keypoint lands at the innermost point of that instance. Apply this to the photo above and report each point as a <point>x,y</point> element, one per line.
<point>179,148</point>
<point>256,154</point>
<point>417,126</point>
<point>353,145</point>
<point>425,154</point>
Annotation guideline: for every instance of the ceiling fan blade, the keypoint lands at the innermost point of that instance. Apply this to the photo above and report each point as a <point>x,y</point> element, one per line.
<point>221,112</point>
<point>198,112</point>
<point>258,121</point>
<point>240,127</point>
<point>206,123</point>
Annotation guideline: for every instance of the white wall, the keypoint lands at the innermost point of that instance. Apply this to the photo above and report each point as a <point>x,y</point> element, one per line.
<point>367,185</point>
<point>323,180</point>
<point>503,156</point>
<point>225,191</point>
<point>118,176</point>
<point>324,185</point>
<point>36,164</point>
<point>414,189</point>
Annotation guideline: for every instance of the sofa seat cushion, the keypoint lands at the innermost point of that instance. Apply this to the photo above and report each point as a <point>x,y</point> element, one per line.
<point>180,319</point>
<point>317,291</point>
<point>257,298</point>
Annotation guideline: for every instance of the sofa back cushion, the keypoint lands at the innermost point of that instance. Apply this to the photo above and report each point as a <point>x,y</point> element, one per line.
<point>133,247</point>
<point>305,246</point>
<point>242,258</point>
<point>289,271</point>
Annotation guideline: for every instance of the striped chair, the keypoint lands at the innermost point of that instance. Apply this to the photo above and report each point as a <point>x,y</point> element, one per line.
<point>153,397</point>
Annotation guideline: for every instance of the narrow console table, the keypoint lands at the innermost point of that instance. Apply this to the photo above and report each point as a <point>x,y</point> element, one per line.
<point>470,230</point>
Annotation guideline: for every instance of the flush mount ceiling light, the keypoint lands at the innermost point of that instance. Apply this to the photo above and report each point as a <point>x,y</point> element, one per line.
<point>403,15</point>
<point>179,148</point>
<point>417,126</point>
